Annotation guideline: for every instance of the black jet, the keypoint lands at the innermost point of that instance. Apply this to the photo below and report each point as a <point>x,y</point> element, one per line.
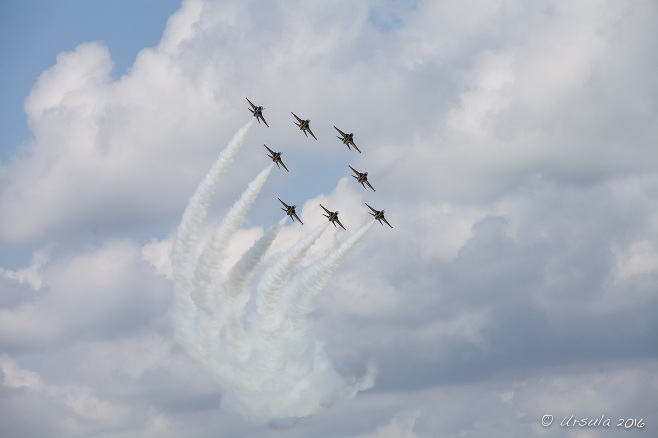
<point>257,111</point>
<point>347,139</point>
<point>333,217</point>
<point>362,178</point>
<point>276,157</point>
<point>379,215</point>
<point>290,211</point>
<point>304,125</point>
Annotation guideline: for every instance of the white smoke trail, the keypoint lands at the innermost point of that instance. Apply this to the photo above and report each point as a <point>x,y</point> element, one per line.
<point>276,277</point>
<point>238,296</point>
<point>208,267</point>
<point>270,366</point>
<point>183,312</point>
<point>306,284</point>
<point>269,318</point>
<point>284,373</point>
<point>246,265</point>
<point>299,292</point>
<point>210,320</point>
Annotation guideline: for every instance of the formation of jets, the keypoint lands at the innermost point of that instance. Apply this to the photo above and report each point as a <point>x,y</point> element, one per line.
<point>346,139</point>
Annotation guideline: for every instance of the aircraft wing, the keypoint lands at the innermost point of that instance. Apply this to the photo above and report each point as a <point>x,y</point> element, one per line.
<point>271,152</point>
<point>328,212</point>
<point>375,211</point>
<point>311,132</point>
<point>300,221</point>
<point>384,219</point>
<point>355,146</point>
<point>284,166</point>
<point>252,105</point>
<point>354,170</point>
<point>373,189</point>
<point>341,132</point>
<point>284,204</point>
<point>263,118</point>
<point>341,225</point>
<point>298,119</point>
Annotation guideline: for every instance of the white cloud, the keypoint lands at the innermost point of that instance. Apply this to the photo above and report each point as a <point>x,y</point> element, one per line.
<point>158,254</point>
<point>16,377</point>
<point>397,428</point>
<point>91,294</point>
<point>30,275</point>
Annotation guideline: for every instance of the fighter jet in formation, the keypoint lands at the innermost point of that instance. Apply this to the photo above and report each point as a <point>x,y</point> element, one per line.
<point>379,215</point>
<point>257,111</point>
<point>333,217</point>
<point>276,157</point>
<point>304,125</point>
<point>347,139</point>
<point>290,211</point>
<point>362,178</point>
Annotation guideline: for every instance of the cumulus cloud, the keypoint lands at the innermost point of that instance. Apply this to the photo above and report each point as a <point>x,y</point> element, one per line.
<point>92,294</point>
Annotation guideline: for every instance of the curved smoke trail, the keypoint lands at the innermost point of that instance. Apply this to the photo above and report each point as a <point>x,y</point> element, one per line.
<point>270,366</point>
<point>269,318</point>
<point>299,292</point>
<point>207,274</point>
<point>245,267</point>
<point>207,269</point>
<point>183,311</point>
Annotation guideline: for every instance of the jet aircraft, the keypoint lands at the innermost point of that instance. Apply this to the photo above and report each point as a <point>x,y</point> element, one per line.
<point>347,139</point>
<point>257,111</point>
<point>333,217</point>
<point>304,125</point>
<point>290,211</point>
<point>276,157</point>
<point>362,178</point>
<point>379,215</point>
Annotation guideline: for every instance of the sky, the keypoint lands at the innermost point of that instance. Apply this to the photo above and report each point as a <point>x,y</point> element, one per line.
<point>512,144</point>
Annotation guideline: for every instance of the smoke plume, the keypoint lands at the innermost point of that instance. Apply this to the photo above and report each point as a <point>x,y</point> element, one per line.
<point>255,340</point>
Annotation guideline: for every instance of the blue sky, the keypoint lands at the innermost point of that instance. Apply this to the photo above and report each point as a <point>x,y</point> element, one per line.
<point>511,143</point>
<point>33,33</point>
